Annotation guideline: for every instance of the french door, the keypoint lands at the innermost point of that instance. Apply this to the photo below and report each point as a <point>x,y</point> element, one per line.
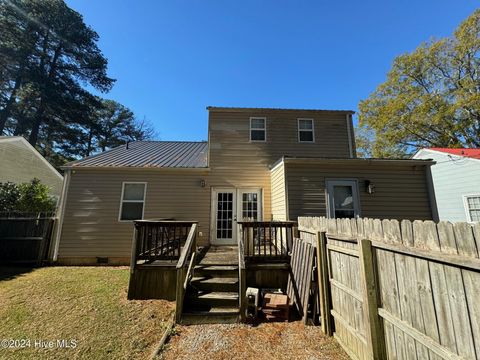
<point>342,198</point>
<point>230,205</point>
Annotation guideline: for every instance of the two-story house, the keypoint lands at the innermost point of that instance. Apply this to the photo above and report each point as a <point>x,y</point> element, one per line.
<point>258,164</point>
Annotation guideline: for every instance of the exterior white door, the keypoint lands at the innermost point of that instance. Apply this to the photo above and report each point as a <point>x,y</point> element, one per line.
<point>342,199</point>
<point>249,205</point>
<point>230,205</point>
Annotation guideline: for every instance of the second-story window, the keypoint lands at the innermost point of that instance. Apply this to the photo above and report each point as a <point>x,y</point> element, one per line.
<point>258,129</point>
<point>305,130</point>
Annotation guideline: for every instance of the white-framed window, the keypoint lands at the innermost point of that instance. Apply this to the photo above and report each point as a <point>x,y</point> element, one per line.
<point>258,129</point>
<point>306,132</point>
<point>132,201</point>
<point>472,207</point>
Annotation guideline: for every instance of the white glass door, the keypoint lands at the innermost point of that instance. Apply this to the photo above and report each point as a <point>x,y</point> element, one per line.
<point>223,217</point>
<point>342,199</point>
<point>230,206</point>
<point>249,206</point>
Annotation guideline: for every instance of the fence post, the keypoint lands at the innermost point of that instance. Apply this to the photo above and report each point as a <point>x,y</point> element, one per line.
<point>324,284</point>
<point>374,327</point>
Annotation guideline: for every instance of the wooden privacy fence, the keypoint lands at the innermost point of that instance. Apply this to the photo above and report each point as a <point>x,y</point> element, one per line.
<point>399,290</point>
<point>25,238</point>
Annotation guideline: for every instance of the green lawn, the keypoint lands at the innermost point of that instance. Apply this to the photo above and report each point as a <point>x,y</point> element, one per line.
<point>85,304</point>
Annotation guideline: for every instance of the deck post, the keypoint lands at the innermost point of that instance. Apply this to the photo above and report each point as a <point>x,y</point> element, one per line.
<point>133,257</point>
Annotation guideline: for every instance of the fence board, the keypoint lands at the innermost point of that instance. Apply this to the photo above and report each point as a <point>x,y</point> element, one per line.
<point>25,238</point>
<point>472,291</point>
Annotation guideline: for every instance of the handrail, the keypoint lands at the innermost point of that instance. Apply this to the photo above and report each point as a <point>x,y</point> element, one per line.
<point>183,274</point>
<point>188,245</point>
<point>189,275</point>
<point>242,281</point>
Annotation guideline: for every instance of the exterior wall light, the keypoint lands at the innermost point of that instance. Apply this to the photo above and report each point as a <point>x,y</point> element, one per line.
<point>369,187</point>
<point>203,183</point>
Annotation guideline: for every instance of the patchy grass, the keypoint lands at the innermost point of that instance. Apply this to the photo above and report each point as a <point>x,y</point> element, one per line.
<point>239,341</point>
<point>85,304</point>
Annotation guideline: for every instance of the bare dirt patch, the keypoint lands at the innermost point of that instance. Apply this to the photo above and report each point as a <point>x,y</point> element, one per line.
<point>238,341</point>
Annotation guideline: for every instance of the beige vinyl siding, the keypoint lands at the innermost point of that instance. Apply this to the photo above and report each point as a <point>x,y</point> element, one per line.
<point>20,163</point>
<point>91,227</point>
<point>401,191</point>
<point>279,206</point>
<point>237,162</point>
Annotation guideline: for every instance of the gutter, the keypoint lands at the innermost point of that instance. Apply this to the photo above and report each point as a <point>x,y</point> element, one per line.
<point>133,168</point>
<point>359,161</point>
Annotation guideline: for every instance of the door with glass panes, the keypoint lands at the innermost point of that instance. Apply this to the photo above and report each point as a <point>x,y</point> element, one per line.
<point>230,206</point>
<point>342,199</point>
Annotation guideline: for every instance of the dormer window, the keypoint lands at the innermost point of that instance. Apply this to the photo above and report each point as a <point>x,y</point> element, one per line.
<point>258,129</point>
<point>305,130</point>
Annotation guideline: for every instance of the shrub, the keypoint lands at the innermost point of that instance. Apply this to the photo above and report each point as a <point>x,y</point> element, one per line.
<point>9,196</point>
<point>32,197</point>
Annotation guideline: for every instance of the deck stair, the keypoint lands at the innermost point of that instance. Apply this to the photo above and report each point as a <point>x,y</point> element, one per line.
<point>212,296</point>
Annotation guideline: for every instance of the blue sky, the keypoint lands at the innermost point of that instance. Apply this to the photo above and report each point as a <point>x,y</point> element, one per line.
<point>173,58</point>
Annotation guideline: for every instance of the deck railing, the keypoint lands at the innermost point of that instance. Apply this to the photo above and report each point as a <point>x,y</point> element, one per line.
<point>185,267</point>
<point>267,240</point>
<point>159,240</point>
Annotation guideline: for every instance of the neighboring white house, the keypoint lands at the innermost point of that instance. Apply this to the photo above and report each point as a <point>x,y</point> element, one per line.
<point>20,162</point>
<point>456,179</point>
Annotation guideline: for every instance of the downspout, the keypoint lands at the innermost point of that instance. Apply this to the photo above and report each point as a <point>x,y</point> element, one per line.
<point>431,194</point>
<point>61,210</point>
<point>349,133</point>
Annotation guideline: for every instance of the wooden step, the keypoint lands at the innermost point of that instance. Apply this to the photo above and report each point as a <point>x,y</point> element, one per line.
<point>214,315</point>
<point>219,271</point>
<point>212,299</point>
<point>215,284</point>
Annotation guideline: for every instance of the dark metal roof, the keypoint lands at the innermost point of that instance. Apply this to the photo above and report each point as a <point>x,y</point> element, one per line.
<point>247,109</point>
<point>150,154</point>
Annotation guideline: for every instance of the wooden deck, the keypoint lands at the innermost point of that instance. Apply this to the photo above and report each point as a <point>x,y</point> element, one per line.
<point>208,283</point>
<point>220,255</point>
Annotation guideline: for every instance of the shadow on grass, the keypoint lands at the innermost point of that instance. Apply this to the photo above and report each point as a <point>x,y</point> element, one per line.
<point>10,272</point>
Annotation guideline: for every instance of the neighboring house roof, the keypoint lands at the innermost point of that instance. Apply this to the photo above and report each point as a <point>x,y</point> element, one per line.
<point>470,153</point>
<point>247,109</point>
<point>150,154</point>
